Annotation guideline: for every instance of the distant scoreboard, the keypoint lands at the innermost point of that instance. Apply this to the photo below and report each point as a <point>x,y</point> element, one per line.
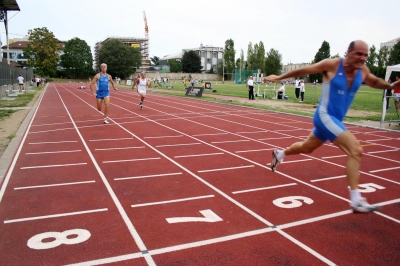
<point>135,44</point>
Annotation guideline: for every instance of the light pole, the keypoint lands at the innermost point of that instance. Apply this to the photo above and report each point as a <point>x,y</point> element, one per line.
<point>223,70</point>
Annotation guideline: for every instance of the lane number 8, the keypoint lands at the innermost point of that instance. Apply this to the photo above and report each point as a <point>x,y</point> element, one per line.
<point>54,239</point>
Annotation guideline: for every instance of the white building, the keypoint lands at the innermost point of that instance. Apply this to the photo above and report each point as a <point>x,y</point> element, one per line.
<point>390,44</point>
<point>209,56</point>
<point>16,49</point>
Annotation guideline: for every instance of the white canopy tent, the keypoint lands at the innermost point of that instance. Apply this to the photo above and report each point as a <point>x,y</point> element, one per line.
<point>389,70</point>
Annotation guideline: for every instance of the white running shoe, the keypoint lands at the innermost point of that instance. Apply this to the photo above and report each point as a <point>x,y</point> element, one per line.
<point>106,121</point>
<point>275,160</point>
<point>363,206</point>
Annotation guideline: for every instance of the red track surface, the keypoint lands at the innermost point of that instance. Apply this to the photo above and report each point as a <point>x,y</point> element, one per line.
<point>80,192</point>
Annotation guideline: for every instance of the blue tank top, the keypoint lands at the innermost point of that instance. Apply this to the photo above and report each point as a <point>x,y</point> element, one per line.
<point>102,83</point>
<point>336,97</point>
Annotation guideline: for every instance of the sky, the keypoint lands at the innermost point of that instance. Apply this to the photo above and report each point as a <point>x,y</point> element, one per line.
<point>296,28</point>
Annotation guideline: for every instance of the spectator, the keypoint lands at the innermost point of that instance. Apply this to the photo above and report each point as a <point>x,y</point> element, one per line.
<point>297,87</point>
<point>302,89</point>
<point>20,82</point>
<point>281,91</point>
<point>250,85</point>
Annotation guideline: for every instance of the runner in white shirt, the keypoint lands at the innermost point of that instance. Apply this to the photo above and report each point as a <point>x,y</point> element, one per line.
<point>20,82</point>
<point>142,84</point>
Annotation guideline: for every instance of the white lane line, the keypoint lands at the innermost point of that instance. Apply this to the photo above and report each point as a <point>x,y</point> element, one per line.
<point>52,130</point>
<point>251,132</point>
<point>227,141</point>
<point>276,138</point>
<point>50,124</point>
<point>53,216</point>
<point>125,148</point>
<point>196,155</point>
<point>336,156</point>
<point>263,188</point>
<point>294,161</point>
<point>53,165</point>
<point>146,176</point>
<point>171,201</point>
<point>46,152</point>
<point>55,185</point>
<point>133,160</point>
<point>383,158</point>
<point>336,214</point>
<point>213,134</point>
<point>160,137</point>
<point>109,139</point>
<point>385,169</point>
<point>53,142</point>
<point>223,169</point>
<point>174,248</point>
<point>328,178</point>
<point>371,152</point>
<point>173,145</point>
<point>229,237</point>
<point>132,230</point>
<point>255,150</point>
<point>305,247</point>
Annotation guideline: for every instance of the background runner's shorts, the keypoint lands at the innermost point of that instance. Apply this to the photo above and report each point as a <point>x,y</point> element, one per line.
<point>102,94</point>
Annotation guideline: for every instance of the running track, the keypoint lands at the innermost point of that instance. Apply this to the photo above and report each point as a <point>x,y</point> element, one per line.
<point>185,182</point>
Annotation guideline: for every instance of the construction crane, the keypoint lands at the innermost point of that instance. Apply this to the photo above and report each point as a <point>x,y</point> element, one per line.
<point>146,43</point>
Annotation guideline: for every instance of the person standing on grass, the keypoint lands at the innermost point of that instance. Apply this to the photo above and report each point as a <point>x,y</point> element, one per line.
<point>20,82</point>
<point>142,85</point>
<point>250,85</point>
<point>302,90</point>
<point>102,93</point>
<point>297,87</point>
<point>341,80</point>
<point>396,93</point>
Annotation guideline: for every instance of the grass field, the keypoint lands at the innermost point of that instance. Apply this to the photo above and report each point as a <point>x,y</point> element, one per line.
<point>20,101</point>
<point>367,99</point>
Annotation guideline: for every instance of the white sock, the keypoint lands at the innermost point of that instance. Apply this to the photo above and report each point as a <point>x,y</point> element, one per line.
<point>355,195</point>
<point>280,154</point>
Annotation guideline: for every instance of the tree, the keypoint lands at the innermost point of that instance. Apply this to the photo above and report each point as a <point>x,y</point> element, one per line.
<point>242,66</point>
<point>77,59</point>
<point>191,62</point>
<point>42,50</point>
<point>155,60</point>
<point>372,60</point>
<point>238,64</point>
<point>273,63</point>
<point>323,53</point>
<point>335,56</point>
<point>382,60</point>
<point>174,66</point>
<point>250,55</point>
<point>229,56</point>
<point>259,56</point>
<point>122,61</point>
<point>394,57</point>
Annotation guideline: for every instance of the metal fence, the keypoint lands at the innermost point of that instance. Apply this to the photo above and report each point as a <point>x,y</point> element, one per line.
<point>9,74</point>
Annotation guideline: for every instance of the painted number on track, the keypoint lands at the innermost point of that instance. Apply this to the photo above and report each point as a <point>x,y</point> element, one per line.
<point>54,239</point>
<point>209,217</point>
<point>292,202</point>
<point>369,187</point>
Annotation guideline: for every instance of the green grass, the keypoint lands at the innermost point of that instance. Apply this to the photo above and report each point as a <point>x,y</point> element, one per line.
<point>6,113</point>
<point>22,99</point>
<point>10,137</point>
<point>367,99</point>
